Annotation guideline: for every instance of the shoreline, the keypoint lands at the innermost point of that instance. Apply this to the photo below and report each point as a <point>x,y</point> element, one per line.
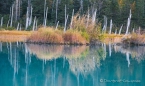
<point>22,36</point>
<point>14,36</point>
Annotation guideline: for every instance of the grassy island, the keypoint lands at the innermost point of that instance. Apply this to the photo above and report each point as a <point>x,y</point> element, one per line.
<point>81,31</point>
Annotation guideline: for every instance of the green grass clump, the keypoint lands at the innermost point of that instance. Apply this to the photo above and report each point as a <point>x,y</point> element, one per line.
<point>85,35</point>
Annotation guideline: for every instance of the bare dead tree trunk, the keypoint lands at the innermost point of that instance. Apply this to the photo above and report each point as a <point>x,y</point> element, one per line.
<point>34,23</point>
<point>18,26</point>
<point>1,21</point>
<point>8,23</point>
<point>120,29</point>
<point>66,17</point>
<point>94,17</point>
<point>81,5</point>
<point>27,19</point>
<point>128,22</point>
<point>57,25</point>
<point>72,19</point>
<point>44,13</point>
<point>12,14</point>
<point>19,9</point>
<point>65,23</point>
<point>46,17</point>
<point>65,12</point>
<point>29,15</point>
<point>110,26</point>
<point>17,5</point>
<point>29,7</point>
<point>30,19</point>
<point>16,10</point>
<point>56,10</point>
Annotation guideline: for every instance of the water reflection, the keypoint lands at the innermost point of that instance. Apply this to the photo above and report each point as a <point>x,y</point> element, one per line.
<point>57,65</point>
<point>82,59</point>
<point>1,48</point>
<point>136,52</point>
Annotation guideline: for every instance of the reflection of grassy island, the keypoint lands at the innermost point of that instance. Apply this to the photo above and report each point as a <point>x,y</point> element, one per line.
<point>48,52</point>
<point>82,59</point>
<point>136,52</point>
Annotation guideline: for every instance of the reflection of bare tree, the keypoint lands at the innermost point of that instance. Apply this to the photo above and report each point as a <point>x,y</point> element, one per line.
<point>87,63</point>
<point>136,52</point>
<point>82,66</point>
<point>1,46</point>
<point>13,59</point>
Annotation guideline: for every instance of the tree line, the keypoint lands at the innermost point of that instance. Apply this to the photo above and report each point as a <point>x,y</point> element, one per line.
<point>57,10</point>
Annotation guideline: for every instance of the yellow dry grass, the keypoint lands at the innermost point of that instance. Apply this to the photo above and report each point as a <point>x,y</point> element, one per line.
<point>14,32</point>
<point>49,35</point>
<point>14,36</point>
<point>113,35</point>
<point>46,35</point>
<point>137,39</point>
<point>112,38</point>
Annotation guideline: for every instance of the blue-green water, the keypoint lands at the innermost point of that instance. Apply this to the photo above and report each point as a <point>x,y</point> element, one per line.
<point>46,65</point>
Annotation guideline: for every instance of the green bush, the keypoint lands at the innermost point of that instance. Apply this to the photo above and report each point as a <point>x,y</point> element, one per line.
<point>85,35</point>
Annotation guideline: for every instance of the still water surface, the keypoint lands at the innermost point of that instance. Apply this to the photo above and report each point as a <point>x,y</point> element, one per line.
<point>48,65</point>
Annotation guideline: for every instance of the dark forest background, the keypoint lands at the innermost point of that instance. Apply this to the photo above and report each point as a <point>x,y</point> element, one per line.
<point>117,10</point>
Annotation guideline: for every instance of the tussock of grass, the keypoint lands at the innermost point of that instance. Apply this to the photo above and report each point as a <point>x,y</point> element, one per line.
<point>72,37</point>
<point>46,35</point>
<point>82,31</point>
<point>90,30</point>
<point>49,35</point>
<point>136,39</point>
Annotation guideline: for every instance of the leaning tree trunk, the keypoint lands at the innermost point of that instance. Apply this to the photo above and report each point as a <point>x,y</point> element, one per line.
<point>128,23</point>
<point>34,24</point>
<point>65,23</point>
<point>57,25</point>
<point>18,26</point>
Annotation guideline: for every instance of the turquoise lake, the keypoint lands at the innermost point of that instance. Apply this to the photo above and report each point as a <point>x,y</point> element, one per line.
<point>24,64</point>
